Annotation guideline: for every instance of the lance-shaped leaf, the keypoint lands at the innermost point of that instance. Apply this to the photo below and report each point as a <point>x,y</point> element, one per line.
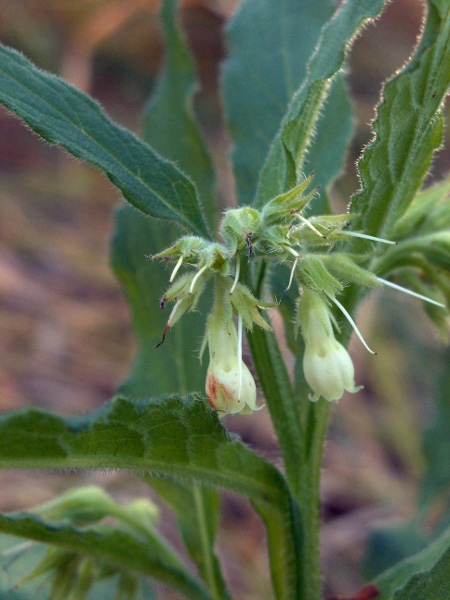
<point>269,44</point>
<point>175,437</point>
<point>287,153</point>
<point>169,120</point>
<point>63,115</point>
<point>170,126</point>
<point>174,366</point>
<point>408,129</point>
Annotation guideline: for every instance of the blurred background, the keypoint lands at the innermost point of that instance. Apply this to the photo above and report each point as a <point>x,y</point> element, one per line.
<point>65,337</point>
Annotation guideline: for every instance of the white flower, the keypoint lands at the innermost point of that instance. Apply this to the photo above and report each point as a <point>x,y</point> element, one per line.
<point>230,386</point>
<point>327,365</point>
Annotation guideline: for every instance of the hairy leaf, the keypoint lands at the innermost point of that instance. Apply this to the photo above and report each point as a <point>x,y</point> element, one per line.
<point>408,129</point>
<point>116,548</point>
<point>269,44</point>
<point>286,156</point>
<point>174,366</point>
<point>63,115</point>
<point>170,127</point>
<point>175,437</point>
<point>431,584</point>
<point>169,120</point>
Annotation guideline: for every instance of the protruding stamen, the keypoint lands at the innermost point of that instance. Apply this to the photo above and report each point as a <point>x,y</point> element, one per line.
<point>236,275</point>
<point>169,321</point>
<point>175,271</point>
<point>240,355</point>
<point>410,292</point>
<point>351,321</point>
<point>292,275</point>
<point>292,251</point>
<point>367,237</point>
<point>310,225</point>
<point>202,270</point>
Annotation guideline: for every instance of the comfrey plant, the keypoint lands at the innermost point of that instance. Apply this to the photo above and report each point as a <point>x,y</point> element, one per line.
<point>282,249</point>
<point>279,233</point>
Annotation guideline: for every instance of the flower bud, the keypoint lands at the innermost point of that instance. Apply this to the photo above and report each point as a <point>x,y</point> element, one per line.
<point>240,228</point>
<point>327,366</point>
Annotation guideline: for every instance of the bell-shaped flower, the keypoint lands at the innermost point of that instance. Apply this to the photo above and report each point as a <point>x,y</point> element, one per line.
<point>327,366</point>
<point>230,386</point>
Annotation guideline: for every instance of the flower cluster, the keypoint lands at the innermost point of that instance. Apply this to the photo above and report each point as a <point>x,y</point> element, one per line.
<point>281,232</point>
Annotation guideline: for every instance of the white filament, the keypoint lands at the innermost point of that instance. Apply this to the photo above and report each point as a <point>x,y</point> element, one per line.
<point>310,225</point>
<point>367,237</point>
<point>172,314</point>
<point>236,275</point>
<point>410,292</point>
<point>191,289</point>
<point>175,271</point>
<point>292,274</point>
<point>351,321</point>
<point>239,349</point>
<point>292,251</point>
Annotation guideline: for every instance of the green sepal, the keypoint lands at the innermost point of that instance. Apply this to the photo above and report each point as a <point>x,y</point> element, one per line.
<point>428,211</point>
<point>314,275</point>
<point>346,270</point>
<point>245,305</point>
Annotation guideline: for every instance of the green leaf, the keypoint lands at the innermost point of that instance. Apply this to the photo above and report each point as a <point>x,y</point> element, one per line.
<point>170,126</point>
<point>116,548</point>
<point>427,212</point>
<point>408,129</point>
<point>286,156</point>
<point>169,121</point>
<point>328,147</point>
<point>174,367</point>
<point>175,437</point>
<point>389,545</point>
<point>269,44</point>
<point>414,574</point>
<point>434,583</point>
<point>17,559</point>
<point>63,115</point>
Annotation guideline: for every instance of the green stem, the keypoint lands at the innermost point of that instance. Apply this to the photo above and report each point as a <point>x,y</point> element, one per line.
<point>309,498</point>
<point>302,448</point>
<point>279,394</point>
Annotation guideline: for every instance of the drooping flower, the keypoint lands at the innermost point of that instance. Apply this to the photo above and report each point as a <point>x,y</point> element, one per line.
<point>327,366</point>
<point>230,387</point>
